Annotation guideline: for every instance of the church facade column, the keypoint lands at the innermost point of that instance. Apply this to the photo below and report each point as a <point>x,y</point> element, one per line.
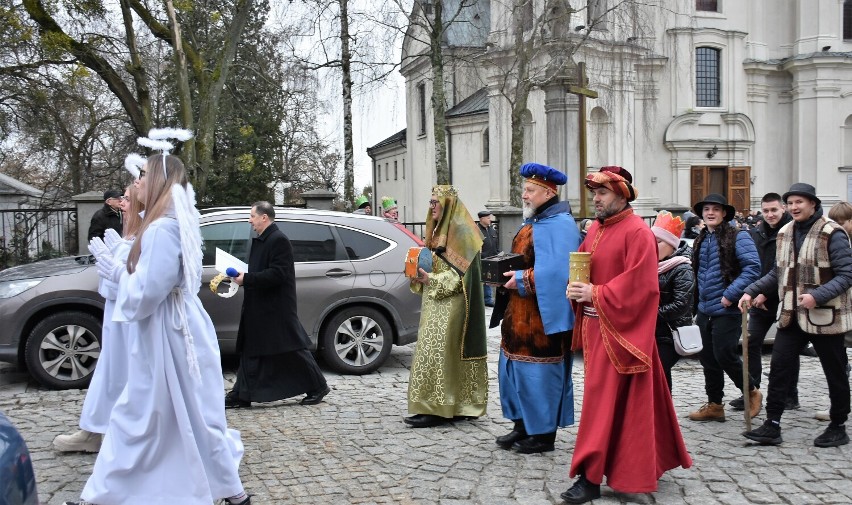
<point>563,150</point>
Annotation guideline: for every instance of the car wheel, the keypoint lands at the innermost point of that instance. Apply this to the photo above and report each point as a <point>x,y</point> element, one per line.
<point>63,349</point>
<point>357,340</point>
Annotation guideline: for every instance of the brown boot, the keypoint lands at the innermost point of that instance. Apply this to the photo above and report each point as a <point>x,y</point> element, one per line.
<point>755,402</point>
<point>709,412</point>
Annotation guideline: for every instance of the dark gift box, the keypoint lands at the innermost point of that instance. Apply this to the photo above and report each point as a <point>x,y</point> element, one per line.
<point>494,267</point>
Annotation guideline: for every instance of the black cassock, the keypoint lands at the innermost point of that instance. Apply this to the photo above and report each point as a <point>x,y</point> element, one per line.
<point>274,359</point>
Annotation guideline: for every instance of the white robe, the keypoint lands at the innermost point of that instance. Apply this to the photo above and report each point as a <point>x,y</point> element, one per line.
<point>167,440</point>
<point>110,375</point>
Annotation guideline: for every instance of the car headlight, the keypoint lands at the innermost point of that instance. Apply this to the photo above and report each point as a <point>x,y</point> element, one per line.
<point>8,289</point>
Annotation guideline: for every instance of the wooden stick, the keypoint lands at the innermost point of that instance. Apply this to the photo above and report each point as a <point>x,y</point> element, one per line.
<point>746,399</point>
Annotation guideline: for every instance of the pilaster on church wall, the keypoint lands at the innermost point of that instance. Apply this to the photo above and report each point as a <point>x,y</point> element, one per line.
<point>499,130</point>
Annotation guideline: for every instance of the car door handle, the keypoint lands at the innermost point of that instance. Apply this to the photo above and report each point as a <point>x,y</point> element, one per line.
<point>338,272</point>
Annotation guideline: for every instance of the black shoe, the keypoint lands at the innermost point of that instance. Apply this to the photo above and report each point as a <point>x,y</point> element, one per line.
<point>767,434</point>
<point>516,435</point>
<point>425,420</point>
<point>582,491</point>
<point>247,501</point>
<point>833,436</point>
<point>232,401</point>
<point>738,404</point>
<point>791,404</point>
<point>532,445</point>
<point>315,398</point>
<point>465,418</point>
<point>809,351</point>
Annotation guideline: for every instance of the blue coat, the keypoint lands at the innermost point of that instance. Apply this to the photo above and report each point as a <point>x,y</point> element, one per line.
<point>711,285</point>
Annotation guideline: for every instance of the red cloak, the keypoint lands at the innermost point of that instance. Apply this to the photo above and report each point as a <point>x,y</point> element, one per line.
<point>628,426</point>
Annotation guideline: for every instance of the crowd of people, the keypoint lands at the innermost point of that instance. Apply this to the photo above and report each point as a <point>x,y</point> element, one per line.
<point>702,268</point>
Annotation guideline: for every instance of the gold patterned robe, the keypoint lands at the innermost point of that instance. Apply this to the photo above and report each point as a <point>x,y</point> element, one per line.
<point>442,382</point>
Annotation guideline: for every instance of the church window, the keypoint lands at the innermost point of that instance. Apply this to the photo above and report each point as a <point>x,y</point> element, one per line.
<point>707,81</point>
<point>707,5</point>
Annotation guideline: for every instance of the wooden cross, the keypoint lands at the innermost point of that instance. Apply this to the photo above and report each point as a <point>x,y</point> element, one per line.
<point>582,93</point>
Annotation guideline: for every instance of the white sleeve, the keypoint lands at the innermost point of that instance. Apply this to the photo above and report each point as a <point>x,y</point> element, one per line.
<point>157,273</point>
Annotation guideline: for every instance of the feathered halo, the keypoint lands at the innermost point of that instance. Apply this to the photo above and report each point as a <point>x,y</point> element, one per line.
<point>133,163</point>
<point>157,140</point>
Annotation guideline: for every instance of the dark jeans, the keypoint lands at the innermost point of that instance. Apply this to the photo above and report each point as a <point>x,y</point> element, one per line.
<point>720,336</point>
<point>759,323</point>
<point>668,358</point>
<point>785,357</point>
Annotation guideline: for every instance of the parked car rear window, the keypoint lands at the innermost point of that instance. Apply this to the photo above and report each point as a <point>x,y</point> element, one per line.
<point>233,238</point>
<point>310,241</point>
<point>360,245</point>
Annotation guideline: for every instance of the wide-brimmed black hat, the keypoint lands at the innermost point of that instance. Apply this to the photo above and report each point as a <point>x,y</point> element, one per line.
<point>802,189</point>
<point>716,199</point>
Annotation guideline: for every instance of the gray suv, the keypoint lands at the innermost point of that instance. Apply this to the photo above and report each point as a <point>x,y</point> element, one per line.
<point>354,300</point>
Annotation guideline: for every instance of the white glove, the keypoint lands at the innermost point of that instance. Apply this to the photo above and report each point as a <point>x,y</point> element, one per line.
<point>108,267</point>
<point>111,238</point>
<point>98,248</point>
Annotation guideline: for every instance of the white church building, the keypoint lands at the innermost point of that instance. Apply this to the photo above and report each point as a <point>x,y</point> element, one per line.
<point>707,96</point>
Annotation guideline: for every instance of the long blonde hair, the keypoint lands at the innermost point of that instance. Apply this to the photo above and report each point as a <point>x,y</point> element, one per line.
<point>158,196</point>
<point>132,219</point>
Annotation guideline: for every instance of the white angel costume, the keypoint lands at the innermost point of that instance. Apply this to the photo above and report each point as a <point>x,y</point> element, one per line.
<point>110,375</point>
<point>167,439</point>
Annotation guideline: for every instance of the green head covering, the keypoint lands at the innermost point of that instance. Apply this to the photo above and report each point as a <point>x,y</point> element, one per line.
<point>361,201</point>
<point>388,203</point>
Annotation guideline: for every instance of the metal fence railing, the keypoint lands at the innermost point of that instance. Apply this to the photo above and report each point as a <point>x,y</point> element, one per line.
<point>28,235</point>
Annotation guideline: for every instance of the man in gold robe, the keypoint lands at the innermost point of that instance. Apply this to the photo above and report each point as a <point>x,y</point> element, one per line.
<point>449,375</point>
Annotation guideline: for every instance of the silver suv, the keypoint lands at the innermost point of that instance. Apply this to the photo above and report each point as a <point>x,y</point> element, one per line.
<point>354,300</point>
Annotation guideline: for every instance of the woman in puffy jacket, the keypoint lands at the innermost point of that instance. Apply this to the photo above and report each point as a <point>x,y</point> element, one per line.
<point>677,283</point>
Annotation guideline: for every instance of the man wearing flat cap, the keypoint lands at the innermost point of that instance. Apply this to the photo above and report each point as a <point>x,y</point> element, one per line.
<point>108,216</point>
<point>628,416</point>
<point>534,372</point>
<point>725,261</point>
<point>490,247</point>
<point>813,278</point>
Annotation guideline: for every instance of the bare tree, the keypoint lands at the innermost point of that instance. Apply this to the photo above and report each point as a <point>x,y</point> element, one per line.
<point>208,66</point>
<point>541,44</point>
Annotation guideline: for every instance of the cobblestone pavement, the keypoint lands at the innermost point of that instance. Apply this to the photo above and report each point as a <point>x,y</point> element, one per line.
<point>354,448</point>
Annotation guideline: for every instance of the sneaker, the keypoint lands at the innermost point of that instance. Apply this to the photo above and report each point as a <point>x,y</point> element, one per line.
<point>755,402</point>
<point>767,434</point>
<point>79,441</point>
<point>822,415</point>
<point>791,404</point>
<point>833,436</point>
<point>709,412</point>
<point>738,404</point>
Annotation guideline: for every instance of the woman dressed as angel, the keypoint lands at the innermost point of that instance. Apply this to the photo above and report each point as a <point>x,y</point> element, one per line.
<point>167,440</point>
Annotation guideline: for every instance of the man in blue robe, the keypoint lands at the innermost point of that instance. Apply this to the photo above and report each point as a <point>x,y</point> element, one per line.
<point>536,391</point>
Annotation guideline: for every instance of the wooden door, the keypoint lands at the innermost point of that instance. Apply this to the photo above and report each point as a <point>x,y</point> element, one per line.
<point>699,185</point>
<point>739,188</point>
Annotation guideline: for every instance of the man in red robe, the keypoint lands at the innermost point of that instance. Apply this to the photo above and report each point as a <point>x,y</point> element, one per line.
<point>628,428</point>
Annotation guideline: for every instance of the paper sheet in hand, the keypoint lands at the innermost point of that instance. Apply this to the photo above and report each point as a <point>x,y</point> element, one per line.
<point>225,260</point>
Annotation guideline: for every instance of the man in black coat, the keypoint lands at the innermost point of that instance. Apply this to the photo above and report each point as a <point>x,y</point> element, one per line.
<point>490,247</point>
<point>109,216</point>
<point>760,320</point>
<point>274,359</point>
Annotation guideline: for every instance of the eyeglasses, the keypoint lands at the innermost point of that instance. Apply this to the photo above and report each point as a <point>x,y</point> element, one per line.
<point>124,197</point>
<point>433,204</point>
<point>142,173</point>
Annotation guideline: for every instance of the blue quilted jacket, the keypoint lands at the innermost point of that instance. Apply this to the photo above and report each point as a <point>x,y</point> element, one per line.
<point>711,286</point>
